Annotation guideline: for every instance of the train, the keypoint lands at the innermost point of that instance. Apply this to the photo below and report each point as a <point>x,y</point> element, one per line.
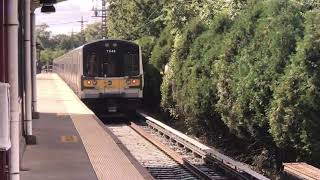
<point>107,74</point>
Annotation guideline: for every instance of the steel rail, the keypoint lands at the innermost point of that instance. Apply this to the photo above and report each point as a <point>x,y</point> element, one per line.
<point>182,161</point>
<point>235,168</point>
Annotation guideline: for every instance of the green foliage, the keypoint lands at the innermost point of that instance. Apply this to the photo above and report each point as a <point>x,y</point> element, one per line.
<point>309,4</point>
<point>162,50</point>
<point>132,20</point>
<point>239,69</point>
<point>182,70</point>
<point>146,43</point>
<point>93,32</point>
<point>43,36</point>
<point>178,13</point>
<point>48,55</point>
<point>259,45</point>
<point>56,45</point>
<point>295,112</point>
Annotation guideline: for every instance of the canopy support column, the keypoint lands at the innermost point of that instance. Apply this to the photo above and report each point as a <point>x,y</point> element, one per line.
<point>12,27</point>
<point>27,46</point>
<point>35,114</point>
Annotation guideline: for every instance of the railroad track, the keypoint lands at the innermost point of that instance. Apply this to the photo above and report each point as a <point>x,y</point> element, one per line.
<point>159,164</point>
<point>207,160</point>
<point>161,161</point>
<point>169,154</point>
<point>195,165</point>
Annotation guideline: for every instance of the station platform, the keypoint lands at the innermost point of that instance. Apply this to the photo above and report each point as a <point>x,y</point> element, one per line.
<point>71,142</point>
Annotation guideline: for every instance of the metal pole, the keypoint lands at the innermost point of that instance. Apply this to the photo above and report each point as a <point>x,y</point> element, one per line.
<point>104,19</point>
<point>27,46</point>
<point>34,66</point>
<point>13,25</point>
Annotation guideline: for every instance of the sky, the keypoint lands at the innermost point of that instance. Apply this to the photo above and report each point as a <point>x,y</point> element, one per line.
<point>64,20</point>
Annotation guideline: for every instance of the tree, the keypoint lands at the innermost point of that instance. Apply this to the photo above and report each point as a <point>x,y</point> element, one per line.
<point>93,32</point>
<point>295,111</point>
<point>131,20</point>
<point>56,45</point>
<point>43,36</point>
<point>162,50</point>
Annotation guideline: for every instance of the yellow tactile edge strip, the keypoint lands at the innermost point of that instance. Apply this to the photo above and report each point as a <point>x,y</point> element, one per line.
<point>106,158</point>
<point>102,151</point>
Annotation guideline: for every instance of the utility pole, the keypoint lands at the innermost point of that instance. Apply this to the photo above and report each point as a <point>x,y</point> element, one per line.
<point>72,40</point>
<point>103,16</point>
<point>82,29</point>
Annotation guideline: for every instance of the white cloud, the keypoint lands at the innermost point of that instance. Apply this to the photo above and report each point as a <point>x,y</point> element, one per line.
<point>64,20</point>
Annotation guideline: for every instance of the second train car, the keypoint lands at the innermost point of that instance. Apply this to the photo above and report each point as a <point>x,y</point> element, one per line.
<point>107,74</point>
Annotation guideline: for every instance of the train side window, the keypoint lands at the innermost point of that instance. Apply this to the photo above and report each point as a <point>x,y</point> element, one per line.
<point>131,64</point>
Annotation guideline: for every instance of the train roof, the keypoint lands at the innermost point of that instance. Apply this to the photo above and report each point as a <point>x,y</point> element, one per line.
<point>97,41</point>
<point>101,40</point>
<point>120,40</point>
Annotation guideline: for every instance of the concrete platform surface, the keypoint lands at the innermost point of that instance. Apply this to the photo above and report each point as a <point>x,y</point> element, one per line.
<point>52,158</point>
<point>72,144</point>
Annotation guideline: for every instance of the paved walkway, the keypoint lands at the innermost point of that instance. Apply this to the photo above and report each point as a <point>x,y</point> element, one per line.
<point>72,143</point>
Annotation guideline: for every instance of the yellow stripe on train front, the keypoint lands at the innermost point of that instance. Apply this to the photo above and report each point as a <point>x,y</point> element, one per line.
<point>105,84</point>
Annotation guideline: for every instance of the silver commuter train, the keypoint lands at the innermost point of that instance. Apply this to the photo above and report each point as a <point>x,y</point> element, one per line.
<point>106,74</point>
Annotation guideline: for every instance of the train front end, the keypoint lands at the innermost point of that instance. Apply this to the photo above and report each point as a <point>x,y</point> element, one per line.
<point>112,79</point>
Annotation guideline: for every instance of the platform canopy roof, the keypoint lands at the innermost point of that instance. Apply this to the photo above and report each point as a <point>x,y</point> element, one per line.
<point>36,3</point>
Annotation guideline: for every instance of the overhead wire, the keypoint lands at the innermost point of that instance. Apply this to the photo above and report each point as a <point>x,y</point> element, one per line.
<point>62,23</point>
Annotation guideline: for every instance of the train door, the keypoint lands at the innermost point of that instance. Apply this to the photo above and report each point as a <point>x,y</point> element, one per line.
<point>111,68</point>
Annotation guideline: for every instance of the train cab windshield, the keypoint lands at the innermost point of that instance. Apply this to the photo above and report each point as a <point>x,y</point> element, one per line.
<point>102,61</point>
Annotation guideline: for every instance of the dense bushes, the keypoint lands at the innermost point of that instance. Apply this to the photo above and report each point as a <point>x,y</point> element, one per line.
<point>263,37</point>
<point>162,51</point>
<point>250,67</point>
<point>295,112</point>
<point>234,71</point>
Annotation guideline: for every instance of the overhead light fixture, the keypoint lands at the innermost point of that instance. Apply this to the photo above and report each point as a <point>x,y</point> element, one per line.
<point>48,2</point>
<point>48,9</point>
<point>47,6</point>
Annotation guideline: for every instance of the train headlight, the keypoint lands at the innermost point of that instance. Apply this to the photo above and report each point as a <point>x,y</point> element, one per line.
<point>88,83</point>
<point>134,82</point>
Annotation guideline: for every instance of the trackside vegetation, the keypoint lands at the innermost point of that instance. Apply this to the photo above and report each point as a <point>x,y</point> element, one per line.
<point>249,68</point>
